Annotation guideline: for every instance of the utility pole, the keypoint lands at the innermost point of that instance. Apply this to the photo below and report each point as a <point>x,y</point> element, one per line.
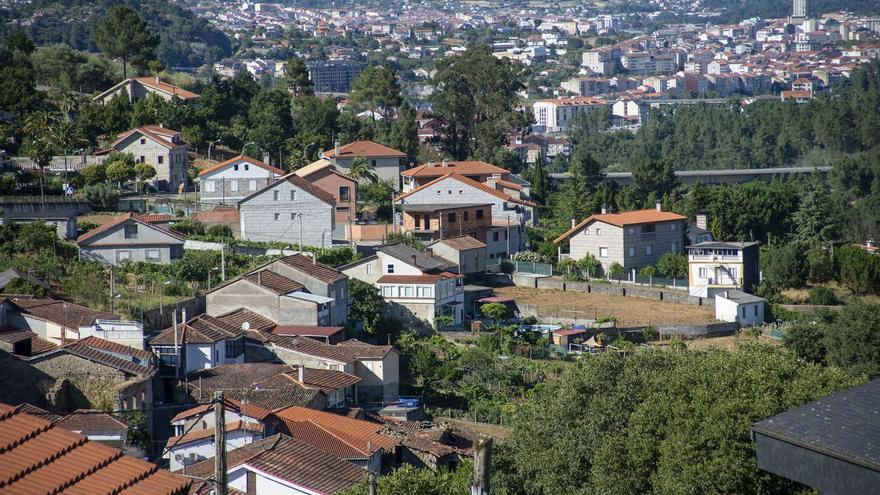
<point>223,261</point>
<point>219,444</point>
<point>112,289</point>
<point>393,214</point>
<point>482,461</point>
<point>372,485</point>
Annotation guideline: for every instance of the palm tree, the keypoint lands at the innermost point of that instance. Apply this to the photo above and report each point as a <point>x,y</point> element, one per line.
<point>37,126</point>
<point>362,171</point>
<point>67,136</point>
<point>68,104</point>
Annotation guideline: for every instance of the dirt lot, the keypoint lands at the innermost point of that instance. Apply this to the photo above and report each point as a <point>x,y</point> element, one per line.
<point>631,311</point>
<point>729,343</point>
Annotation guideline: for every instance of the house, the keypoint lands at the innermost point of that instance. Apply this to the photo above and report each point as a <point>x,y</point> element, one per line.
<point>56,321</point>
<point>220,215</point>
<point>377,366</point>
<point>128,238</point>
<point>698,231</point>
<point>57,211</point>
<point>198,343</point>
<point>829,444</point>
<point>338,388</point>
<point>291,210</point>
<point>231,181</point>
<point>510,213</point>
<point>97,426</point>
<point>129,333</point>
<point>467,252</point>
<point>633,239</point>
<point>46,458</point>
<point>350,439</point>
<point>737,306</point>
<point>279,465</point>
<point>566,336</point>
<point>475,170</point>
<point>384,161</point>
<point>198,445</point>
<point>294,290</point>
<point>435,447</point>
<point>201,417</point>
<point>715,267</point>
<point>160,147</point>
<point>418,286</point>
<point>136,88</point>
<point>343,188</point>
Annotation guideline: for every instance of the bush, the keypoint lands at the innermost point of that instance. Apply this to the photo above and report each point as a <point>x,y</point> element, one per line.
<point>529,256</point>
<point>648,272</point>
<point>530,320</point>
<point>219,231</point>
<point>507,267</point>
<point>822,296</point>
<point>673,265</point>
<point>103,197</point>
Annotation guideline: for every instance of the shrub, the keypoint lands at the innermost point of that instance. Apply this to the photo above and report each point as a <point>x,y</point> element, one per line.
<point>102,196</point>
<point>529,256</point>
<point>673,265</point>
<point>648,271</point>
<point>822,296</point>
<point>530,320</point>
<point>507,267</point>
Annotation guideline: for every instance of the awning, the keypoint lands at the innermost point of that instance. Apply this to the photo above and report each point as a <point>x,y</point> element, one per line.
<point>495,299</point>
<point>305,296</point>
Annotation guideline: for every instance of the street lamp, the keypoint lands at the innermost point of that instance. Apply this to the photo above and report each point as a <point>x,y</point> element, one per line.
<point>209,277</point>
<point>245,146</point>
<point>161,294</point>
<point>305,156</point>
<point>211,145</point>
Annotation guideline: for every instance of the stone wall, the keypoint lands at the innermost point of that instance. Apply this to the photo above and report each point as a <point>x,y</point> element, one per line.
<point>630,290</point>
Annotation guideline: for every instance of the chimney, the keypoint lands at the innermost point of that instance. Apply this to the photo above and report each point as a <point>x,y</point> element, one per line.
<point>414,260</point>
<point>183,314</point>
<point>574,222</point>
<point>260,277</point>
<point>659,206</point>
<point>161,125</point>
<point>727,294</point>
<point>604,209</point>
<point>157,80</point>
<point>336,149</point>
<point>302,373</point>
<point>702,221</point>
<point>445,162</point>
<point>429,252</point>
<point>492,181</point>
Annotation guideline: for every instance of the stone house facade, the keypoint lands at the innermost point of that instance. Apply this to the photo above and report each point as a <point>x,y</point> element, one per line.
<point>160,147</point>
<point>385,161</point>
<point>231,181</point>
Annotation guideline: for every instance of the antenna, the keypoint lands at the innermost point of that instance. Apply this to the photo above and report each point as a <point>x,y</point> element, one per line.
<point>245,326</point>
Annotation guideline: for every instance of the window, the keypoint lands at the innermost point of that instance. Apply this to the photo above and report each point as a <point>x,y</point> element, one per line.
<point>673,247</point>
<point>369,268</point>
<point>632,251</point>
<point>293,194</point>
<point>293,216</point>
<point>143,141</point>
<point>153,255</point>
<point>389,268</point>
<point>373,162</point>
<point>701,272</point>
<point>598,231</point>
<point>632,230</point>
<point>216,356</point>
<point>252,185</point>
<point>755,308</point>
<point>131,231</point>
<point>123,255</point>
<point>278,216</point>
<point>495,235</point>
<point>465,216</point>
<point>344,193</point>
<point>247,166</point>
<point>744,311</point>
<point>142,159</point>
<point>235,167</point>
<point>673,227</point>
<point>160,159</point>
<point>387,291</point>
<point>649,250</point>
<point>407,291</point>
<point>276,195</point>
<point>234,348</point>
<point>479,214</point>
<point>649,228</point>
<point>452,218</point>
<point>233,185</point>
<point>603,252</point>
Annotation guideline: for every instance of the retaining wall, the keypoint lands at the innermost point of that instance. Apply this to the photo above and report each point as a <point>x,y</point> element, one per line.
<point>670,295</point>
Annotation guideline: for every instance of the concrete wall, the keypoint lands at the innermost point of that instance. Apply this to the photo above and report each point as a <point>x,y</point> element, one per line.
<point>337,290</point>
<point>669,295</point>
<point>265,219</point>
<point>107,246</point>
<point>230,185</point>
<point>469,261</point>
<point>243,294</point>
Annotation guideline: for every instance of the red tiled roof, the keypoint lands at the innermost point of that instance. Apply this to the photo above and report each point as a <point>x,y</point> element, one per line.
<point>365,149</point>
<point>305,331</point>
<point>197,435</point>
<point>273,281</point>
<point>470,167</point>
<point>293,461</point>
<point>166,87</point>
<point>623,219</point>
<point>63,313</point>
<point>153,132</point>
<point>218,216</point>
<point>239,159</point>
<point>202,329</point>
<point>462,243</point>
<point>335,434</point>
<point>360,349</point>
<point>328,381</point>
<point>249,410</point>
<point>255,321</point>
<point>122,219</point>
<point>509,185</point>
<point>103,356</point>
<point>88,421</point>
<point>115,348</point>
<point>314,269</point>
<point>38,457</point>
<point>300,183</point>
<point>153,218</point>
<point>477,185</point>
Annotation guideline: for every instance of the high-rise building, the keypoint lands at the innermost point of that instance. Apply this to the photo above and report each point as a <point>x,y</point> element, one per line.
<point>799,9</point>
<point>333,76</point>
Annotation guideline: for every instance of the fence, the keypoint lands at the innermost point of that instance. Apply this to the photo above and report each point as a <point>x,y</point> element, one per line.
<point>523,266</point>
<point>70,163</point>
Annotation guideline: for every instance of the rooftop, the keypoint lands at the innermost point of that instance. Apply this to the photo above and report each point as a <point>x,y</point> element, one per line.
<point>364,149</point>
<point>462,243</point>
<point>334,433</point>
<point>63,313</point>
<point>121,219</point>
<point>471,167</point>
<point>432,207</point>
<point>39,457</point>
<point>241,159</point>
<point>722,245</point>
<point>413,256</point>
<point>624,218</point>
<point>310,267</point>
<point>202,329</point>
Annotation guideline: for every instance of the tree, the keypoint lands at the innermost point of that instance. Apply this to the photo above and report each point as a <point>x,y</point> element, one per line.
<point>494,311</point>
<point>859,270</point>
<point>408,480</point>
<point>361,170</point>
<point>404,133</point>
<point>102,196</point>
<point>296,78</point>
<point>783,266</point>
<point>673,265</point>
<point>405,238</point>
<point>34,236</point>
<point>807,341</point>
<point>816,218</point>
<point>124,35</point>
<point>657,422</point>
<point>365,305</point>
<point>476,101</point>
<point>540,181</point>
<point>94,174</point>
<point>853,341</point>
<point>616,270</point>
<point>120,172</point>
<point>654,179</point>
<point>590,265</point>
<point>270,120</point>
<point>376,90</point>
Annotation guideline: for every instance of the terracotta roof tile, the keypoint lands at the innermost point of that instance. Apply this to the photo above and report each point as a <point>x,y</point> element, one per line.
<point>305,331</point>
<point>462,243</point>
<point>278,284</point>
<point>218,216</point>
<point>624,218</point>
<point>470,182</point>
<point>88,421</point>
<point>317,270</point>
<point>473,167</point>
<point>249,410</point>
<point>158,134</point>
<point>239,159</point>
<point>335,433</point>
<point>154,218</point>
<point>166,87</point>
<point>301,183</point>
<point>267,376</point>
<point>63,313</point>
<point>202,329</point>
<point>37,457</point>
<point>364,149</point>
<point>121,219</point>
<point>197,435</point>
<point>240,316</point>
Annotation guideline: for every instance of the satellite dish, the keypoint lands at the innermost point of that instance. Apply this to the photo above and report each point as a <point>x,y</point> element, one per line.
<point>245,326</point>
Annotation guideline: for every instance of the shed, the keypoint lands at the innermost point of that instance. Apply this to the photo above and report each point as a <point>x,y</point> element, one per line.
<point>737,306</point>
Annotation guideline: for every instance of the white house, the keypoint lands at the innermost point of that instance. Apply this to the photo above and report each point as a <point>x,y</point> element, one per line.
<point>200,343</point>
<point>291,210</point>
<point>198,445</point>
<point>231,181</point>
<point>734,305</point>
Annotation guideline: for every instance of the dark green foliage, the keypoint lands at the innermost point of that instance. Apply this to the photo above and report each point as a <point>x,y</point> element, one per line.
<point>296,78</point>
<point>784,266</point>
<point>673,265</point>
<point>821,296</point>
<point>405,238</point>
<point>122,34</point>
<point>853,341</point>
<point>859,270</point>
<point>219,231</point>
<point>102,196</point>
<point>365,305</point>
<point>656,422</point>
<point>807,341</point>
<point>408,480</point>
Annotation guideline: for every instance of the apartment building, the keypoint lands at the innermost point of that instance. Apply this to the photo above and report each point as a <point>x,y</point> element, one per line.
<point>715,267</point>
<point>633,239</point>
<point>333,76</point>
<point>604,60</point>
<point>554,115</point>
